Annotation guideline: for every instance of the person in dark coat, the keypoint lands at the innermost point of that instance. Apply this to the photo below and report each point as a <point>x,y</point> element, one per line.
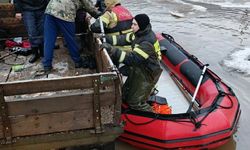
<point>32,13</point>
<point>142,62</point>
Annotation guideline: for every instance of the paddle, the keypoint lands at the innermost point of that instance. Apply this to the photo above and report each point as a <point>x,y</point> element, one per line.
<point>104,40</point>
<point>102,31</point>
<point>197,88</point>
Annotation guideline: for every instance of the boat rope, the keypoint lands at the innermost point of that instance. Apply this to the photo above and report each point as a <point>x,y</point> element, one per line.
<point>167,36</point>
<point>210,109</point>
<point>230,99</point>
<point>215,104</point>
<point>190,118</point>
<point>143,123</point>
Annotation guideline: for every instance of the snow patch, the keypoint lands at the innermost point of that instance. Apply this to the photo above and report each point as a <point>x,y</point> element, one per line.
<point>62,67</point>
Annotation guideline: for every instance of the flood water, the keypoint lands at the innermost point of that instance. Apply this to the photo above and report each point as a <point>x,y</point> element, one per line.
<point>218,33</point>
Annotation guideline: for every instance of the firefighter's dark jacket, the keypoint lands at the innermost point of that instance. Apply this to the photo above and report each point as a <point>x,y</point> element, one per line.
<point>30,5</point>
<point>145,52</point>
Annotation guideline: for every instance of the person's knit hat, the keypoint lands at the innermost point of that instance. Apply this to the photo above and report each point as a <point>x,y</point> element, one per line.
<point>142,20</point>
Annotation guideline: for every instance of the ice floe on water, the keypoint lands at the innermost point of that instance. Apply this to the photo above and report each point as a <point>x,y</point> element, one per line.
<point>239,61</point>
<point>194,7</point>
<point>226,3</point>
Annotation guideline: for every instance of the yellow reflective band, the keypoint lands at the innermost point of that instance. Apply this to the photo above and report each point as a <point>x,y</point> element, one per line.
<point>119,33</point>
<point>105,20</point>
<point>115,33</point>
<point>133,37</point>
<point>114,40</point>
<point>136,45</point>
<point>157,49</point>
<point>127,31</point>
<point>141,52</point>
<point>126,48</point>
<point>122,57</point>
<point>128,37</point>
<point>114,16</point>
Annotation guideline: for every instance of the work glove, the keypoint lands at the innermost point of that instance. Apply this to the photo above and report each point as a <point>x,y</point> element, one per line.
<point>96,14</point>
<point>108,47</point>
<point>99,35</point>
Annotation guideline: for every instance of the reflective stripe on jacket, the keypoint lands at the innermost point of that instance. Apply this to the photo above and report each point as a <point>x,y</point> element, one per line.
<point>127,39</point>
<point>116,22</point>
<point>122,41</point>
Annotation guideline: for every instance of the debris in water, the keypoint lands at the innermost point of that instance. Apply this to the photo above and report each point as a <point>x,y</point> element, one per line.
<point>177,14</point>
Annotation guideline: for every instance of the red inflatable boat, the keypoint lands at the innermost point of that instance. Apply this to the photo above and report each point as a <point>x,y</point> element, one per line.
<point>211,121</point>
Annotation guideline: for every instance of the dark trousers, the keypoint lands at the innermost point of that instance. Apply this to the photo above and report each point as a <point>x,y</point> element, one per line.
<point>137,89</point>
<point>52,26</point>
<point>33,21</point>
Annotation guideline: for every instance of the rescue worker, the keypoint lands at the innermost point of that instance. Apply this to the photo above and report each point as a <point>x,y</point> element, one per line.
<point>3,34</point>
<point>143,63</point>
<point>116,20</point>
<point>32,13</point>
<point>60,16</point>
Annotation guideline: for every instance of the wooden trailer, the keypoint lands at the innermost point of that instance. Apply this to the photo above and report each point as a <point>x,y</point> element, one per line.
<point>82,110</point>
<point>54,113</point>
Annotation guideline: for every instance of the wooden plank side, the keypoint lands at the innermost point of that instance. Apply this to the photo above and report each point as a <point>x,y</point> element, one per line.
<point>106,66</point>
<point>62,103</point>
<point>99,62</point>
<point>46,110</point>
<point>104,62</point>
<point>7,10</point>
<point>50,123</point>
<point>49,85</point>
<point>1,129</point>
<point>118,96</point>
<point>56,141</point>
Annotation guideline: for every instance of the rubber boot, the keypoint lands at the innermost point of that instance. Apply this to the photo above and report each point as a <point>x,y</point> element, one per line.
<point>41,49</point>
<point>35,55</point>
<point>82,64</point>
<point>91,62</point>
